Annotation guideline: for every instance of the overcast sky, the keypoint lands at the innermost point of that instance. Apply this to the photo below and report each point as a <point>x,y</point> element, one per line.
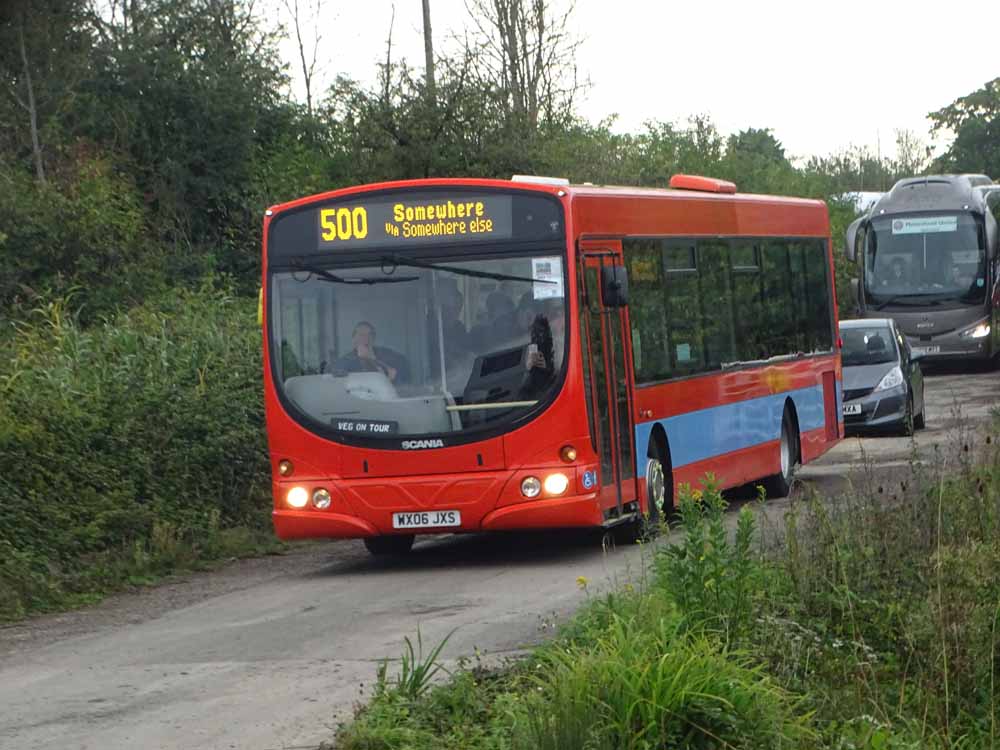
<point>821,76</point>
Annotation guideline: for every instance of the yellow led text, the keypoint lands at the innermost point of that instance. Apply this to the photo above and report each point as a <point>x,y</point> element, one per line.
<point>448,219</point>
<point>344,223</point>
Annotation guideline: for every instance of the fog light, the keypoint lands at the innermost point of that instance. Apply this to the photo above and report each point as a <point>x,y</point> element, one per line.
<point>530,487</point>
<point>556,484</point>
<point>298,497</point>
<point>285,467</point>
<point>568,454</point>
<point>321,498</point>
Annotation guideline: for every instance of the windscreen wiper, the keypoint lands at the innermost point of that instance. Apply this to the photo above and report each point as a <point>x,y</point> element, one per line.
<point>398,260</point>
<point>897,299</point>
<point>333,278</point>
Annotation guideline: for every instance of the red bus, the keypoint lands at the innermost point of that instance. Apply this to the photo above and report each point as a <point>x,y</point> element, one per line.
<point>458,355</point>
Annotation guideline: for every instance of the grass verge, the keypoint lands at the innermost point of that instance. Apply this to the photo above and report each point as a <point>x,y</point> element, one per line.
<point>870,620</point>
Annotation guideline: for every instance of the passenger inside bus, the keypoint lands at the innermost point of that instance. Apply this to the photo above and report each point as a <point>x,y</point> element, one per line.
<point>365,356</point>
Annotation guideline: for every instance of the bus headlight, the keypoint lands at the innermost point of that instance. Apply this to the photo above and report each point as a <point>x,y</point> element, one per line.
<point>297,497</point>
<point>531,487</point>
<point>321,498</point>
<point>978,331</point>
<point>556,484</point>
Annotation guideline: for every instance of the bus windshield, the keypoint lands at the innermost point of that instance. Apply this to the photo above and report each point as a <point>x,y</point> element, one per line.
<point>404,346</point>
<point>925,259</point>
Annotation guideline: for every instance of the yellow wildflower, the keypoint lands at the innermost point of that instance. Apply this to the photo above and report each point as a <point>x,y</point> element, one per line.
<point>581,581</point>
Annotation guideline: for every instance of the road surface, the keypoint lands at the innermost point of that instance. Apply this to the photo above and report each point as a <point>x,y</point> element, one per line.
<point>271,653</point>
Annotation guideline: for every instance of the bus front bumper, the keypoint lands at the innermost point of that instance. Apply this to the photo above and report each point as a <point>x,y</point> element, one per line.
<point>313,524</point>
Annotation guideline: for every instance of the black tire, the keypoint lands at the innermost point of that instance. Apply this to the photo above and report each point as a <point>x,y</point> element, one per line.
<point>659,497</point>
<point>918,421</point>
<point>780,484</point>
<point>909,421</point>
<point>396,545</point>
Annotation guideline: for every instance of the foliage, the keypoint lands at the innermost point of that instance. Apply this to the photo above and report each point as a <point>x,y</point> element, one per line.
<point>416,670</point>
<point>888,599</point>
<point>140,438</point>
<point>709,575</point>
<point>869,621</point>
<point>974,120</point>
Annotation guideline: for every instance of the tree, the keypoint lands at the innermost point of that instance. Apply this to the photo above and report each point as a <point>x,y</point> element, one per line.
<point>306,61</point>
<point>189,90</point>
<point>974,120</point>
<point>43,56</point>
<point>525,50</point>
<point>428,51</point>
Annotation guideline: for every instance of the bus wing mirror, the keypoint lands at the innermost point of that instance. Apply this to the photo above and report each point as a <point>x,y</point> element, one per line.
<point>852,237</point>
<point>614,286</point>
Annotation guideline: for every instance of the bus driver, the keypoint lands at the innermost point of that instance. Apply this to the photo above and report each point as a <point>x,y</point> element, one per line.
<point>366,357</point>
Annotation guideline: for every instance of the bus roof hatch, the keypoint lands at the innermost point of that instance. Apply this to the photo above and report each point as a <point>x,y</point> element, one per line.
<point>704,184</point>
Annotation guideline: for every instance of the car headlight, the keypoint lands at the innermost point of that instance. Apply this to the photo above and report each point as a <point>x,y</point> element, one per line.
<point>978,331</point>
<point>891,379</point>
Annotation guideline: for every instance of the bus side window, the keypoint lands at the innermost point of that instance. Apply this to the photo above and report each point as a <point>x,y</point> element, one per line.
<point>684,328</point>
<point>716,303</point>
<point>647,310</point>
<point>748,301</point>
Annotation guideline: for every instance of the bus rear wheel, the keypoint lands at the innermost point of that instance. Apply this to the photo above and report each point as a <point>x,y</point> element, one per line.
<point>389,546</point>
<point>780,484</point>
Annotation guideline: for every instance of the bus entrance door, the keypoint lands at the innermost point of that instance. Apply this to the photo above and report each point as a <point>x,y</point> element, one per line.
<point>606,333</point>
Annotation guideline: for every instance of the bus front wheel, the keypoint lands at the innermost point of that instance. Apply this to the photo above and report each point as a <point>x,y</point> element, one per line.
<point>659,495</point>
<point>780,484</point>
<point>389,546</point>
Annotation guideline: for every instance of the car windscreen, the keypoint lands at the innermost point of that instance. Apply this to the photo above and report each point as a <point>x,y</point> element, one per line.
<point>411,346</point>
<point>871,345</point>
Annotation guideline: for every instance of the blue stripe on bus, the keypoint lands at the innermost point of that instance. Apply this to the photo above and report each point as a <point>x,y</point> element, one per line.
<point>713,432</point>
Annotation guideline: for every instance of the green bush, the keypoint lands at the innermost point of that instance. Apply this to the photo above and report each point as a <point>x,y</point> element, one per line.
<point>137,440</point>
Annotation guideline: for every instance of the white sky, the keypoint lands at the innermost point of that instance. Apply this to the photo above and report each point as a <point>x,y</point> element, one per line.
<point>821,76</point>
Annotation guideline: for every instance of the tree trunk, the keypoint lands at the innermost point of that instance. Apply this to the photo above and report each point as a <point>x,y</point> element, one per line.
<point>429,51</point>
<point>32,109</point>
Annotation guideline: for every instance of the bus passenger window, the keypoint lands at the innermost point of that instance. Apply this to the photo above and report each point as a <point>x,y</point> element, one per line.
<point>647,310</point>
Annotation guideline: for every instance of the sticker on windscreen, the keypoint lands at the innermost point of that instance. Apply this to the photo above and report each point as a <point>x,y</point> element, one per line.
<point>548,278</point>
<point>366,426</point>
<point>925,225</point>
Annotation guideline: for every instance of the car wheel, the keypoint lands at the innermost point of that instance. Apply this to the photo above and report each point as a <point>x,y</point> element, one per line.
<point>780,484</point>
<point>918,421</point>
<point>389,546</point>
<point>908,420</point>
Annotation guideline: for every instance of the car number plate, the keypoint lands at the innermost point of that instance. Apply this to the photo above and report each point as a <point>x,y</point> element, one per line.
<point>851,409</point>
<point>426,519</point>
<point>925,349</point>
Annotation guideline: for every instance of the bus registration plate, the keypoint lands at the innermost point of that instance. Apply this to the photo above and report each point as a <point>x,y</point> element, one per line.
<point>426,519</point>
<point>926,350</point>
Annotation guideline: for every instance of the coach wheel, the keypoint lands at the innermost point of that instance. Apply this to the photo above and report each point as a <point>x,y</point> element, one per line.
<point>780,484</point>
<point>389,546</point>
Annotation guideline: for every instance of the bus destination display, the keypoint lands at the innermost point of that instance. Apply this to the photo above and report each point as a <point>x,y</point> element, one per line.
<point>409,220</point>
